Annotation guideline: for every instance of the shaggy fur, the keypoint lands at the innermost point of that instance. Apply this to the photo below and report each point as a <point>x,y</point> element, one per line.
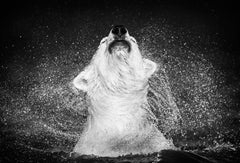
<point>120,121</point>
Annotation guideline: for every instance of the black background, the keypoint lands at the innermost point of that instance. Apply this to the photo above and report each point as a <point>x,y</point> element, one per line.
<point>224,14</point>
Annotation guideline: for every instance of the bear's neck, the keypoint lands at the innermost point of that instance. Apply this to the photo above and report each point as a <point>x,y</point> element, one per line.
<point>107,103</point>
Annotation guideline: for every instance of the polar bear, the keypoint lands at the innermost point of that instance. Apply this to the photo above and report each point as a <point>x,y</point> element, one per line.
<point>116,82</point>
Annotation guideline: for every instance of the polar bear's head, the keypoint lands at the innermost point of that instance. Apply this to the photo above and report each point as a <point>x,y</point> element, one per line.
<point>117,66</point>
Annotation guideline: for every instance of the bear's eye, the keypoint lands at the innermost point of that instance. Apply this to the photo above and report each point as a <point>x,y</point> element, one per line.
<point>133,39</point>
<point>103,40</point>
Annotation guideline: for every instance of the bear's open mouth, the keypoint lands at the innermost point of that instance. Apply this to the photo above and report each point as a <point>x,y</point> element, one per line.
<point>119,45</point>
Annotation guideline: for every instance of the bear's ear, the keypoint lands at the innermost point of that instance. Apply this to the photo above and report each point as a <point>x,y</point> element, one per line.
<point>149,67</point>
<point>82,80</point>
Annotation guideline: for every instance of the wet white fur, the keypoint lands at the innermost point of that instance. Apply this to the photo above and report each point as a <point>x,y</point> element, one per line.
<point>120,121</point>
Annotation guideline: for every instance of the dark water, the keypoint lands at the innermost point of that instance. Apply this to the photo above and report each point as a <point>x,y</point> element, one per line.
<point>45,45</point>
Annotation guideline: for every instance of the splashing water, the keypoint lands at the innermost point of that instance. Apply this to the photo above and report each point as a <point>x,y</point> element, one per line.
<point>199,89</point>
<point>49,105</point>
<point>189,96</point>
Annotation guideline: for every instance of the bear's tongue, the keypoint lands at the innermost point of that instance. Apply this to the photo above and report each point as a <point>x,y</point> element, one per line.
<point>119,45</point>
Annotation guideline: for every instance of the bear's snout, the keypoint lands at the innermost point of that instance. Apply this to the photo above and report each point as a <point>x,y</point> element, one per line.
<point>119,31</point>
<point>119,43</point>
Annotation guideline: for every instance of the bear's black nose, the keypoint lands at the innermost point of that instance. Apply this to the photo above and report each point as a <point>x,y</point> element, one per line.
<point>119,31</point>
